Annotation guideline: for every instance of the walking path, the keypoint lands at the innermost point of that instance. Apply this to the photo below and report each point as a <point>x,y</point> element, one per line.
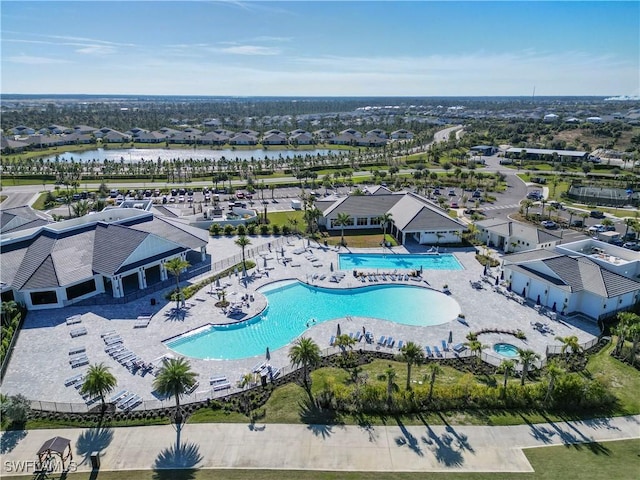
<point>393,448</point>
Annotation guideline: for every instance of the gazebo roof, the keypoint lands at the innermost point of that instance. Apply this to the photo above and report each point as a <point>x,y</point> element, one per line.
<point>55,445</point>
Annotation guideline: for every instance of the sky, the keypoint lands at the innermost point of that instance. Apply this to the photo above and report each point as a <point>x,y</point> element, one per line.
<point>320,48</point>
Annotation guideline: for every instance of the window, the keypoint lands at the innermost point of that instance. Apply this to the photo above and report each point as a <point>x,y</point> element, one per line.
<point>81,289</point>
<point>363,221</point>
<point>375,221</point>
<point>44,298</point>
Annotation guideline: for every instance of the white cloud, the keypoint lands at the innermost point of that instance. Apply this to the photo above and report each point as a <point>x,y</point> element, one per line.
<point>33,60</point>
<point>250,50</point>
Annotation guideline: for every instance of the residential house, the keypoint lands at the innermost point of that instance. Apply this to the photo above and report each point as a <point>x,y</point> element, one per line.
<point>510,236</point>
<point>243,139</point>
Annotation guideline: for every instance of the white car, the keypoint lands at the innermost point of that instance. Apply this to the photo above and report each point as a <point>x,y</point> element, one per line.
<point>596,228</point>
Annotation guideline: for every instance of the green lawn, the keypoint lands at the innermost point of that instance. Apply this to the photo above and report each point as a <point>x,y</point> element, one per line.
<point>618,460</point>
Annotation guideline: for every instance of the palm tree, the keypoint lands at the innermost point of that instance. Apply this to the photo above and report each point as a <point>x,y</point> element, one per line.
<point>607,222</point>
<point>175,378</point>
<point>98,381</point>
<point>175,266</point>
<point>81,208</point>
<point>9,309</point>
<point>553,372</point>
<point>385,221</point>
<point>242,241</point>
<point>389,375</point>
<point>344,342</point>
<point>342,220</point>
<point>527,357</point>
<point>476,348</point>
<point>634,334</point>
<point>507,367</point>
<point>306,353</point>
<point>434,370</point>
<point>294,224</point>
<point>413,355</point>
<point>570,345</point>
<point>526,204</point>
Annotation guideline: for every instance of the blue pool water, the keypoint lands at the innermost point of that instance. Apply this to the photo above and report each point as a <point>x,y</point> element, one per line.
<point>506,349</point>
<point>291,304</point>
<point>368,261</point>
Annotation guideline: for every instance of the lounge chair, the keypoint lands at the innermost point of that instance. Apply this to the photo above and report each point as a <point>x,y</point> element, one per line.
<point>75,379</point>
<point>369,337</point>
<point>358,336</point>
<point>400,344</point>
<point>77,332</point>
<point>77,350</point>
<point>221,386</point>
<point>77,358</point>
<point>445,347</point>
<point>112,340</point>
<point>132,403</point>
<point>437,350</point>
<point>218,379</point>
<point>122,402</point>
<point>390,342</point>
<point>258,367</point>
<point>332,340</point>
<point>459,347</point>
<point>118,396</point>
<point>110,333</point>
<point>74,319</point>
<point>428,350</point>
<point>382,340</point>
<point>80,362</point>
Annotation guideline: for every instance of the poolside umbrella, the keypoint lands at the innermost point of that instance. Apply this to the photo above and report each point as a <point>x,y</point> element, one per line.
<point>268,355</point>
<point>485,269</point>
<point>338,331</point>
<point>218,282</point>
<point>331,267</point>
<point>282,251</point>
<point>553,309</point>
<point>538,300</point>
<point>450,336</point>
<point>524,292</point>
<point>502,275</point>
<point>265,262</point>
<point>497,280</point>
<point>235,270</point>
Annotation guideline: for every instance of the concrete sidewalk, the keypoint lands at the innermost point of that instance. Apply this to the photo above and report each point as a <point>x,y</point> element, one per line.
<point>395,448</point>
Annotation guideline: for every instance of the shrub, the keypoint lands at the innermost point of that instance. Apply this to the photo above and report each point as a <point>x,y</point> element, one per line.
<point>17,409</point>
<point>251,229</point>
<point>286,230</point>
<point>264,229</point>
<point>228,229</point>
<point>215,229</point>
<point>241,230</point>
<point>276,229</point>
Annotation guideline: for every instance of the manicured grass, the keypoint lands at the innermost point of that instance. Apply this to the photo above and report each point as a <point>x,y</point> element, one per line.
<point>617,460</point>
<point>282,218</point>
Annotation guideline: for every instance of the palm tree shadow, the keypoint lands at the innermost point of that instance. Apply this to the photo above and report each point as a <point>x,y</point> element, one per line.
<point>462,441</point>
<point>442,447</point>
<point>318,420</point>
<point>177,461</point>
<point>93,440</point>
<point>176,315</point>
<point>408,439</point>
<point>10,440</point>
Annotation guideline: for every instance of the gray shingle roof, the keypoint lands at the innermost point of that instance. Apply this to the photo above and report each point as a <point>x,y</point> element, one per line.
<point>113,245</point>
<point>363,205</point>
<point>414,214</point>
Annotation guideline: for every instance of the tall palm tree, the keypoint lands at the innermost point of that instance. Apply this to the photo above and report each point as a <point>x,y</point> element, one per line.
<point>243,241</point>
<point>385,221</point>
<point>476,348</point>
<point>294,224</point>
<point>526,204</point>
<point>344,342</point>
<point>570,345</point>
<point>81,208</point>
<point>306,353</point>
<point>342,220</point>
<point>175,266</point>
<point>527,357</point>
<point>553,372</point>
<point>98,381</point>
<point>412,354</point>
<point>434,371</point>
<point>389,375</point>
<point>175,378</point>
<point>507,367</point>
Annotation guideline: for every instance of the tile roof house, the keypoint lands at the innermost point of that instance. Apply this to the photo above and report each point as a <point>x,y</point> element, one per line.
<point>243,139</point>
<point>301,138</point>
<point>274,139</point>
<point>569,284</point>
<point>113,253</point>
<point>9,145</point>
<point>150,137</point>
<point>414,218</point>
<point>510,236</point>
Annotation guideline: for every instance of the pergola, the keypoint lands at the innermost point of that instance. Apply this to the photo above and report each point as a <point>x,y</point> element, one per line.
<point>55,446</point>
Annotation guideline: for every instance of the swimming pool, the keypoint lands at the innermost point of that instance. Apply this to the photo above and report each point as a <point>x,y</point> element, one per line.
<point>440,261</point>
<point>291,304</point>
<point>506,349</point>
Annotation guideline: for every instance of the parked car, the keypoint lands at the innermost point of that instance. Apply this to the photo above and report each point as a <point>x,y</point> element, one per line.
<point>557,205</point>
<point>452,193</point>
<point>535,195</point>
<point>549,224</point>
<point>476,194</point>
<point>596,228</point>
<point>453,205</point>
<point>596,214</point>
<point>635,246</point>
<point>577,223</point>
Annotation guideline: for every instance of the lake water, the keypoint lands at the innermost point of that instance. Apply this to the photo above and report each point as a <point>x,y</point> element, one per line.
<point>133,155</point>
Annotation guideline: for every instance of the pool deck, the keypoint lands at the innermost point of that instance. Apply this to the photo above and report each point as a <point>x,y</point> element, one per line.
<point>40,362</point>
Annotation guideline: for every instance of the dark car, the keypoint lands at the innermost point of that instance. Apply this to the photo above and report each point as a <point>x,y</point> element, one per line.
<point>577,223</point>
<point>596,214</point>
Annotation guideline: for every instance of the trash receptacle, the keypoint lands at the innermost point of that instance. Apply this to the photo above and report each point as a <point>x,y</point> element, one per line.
<point>153,301</point>
<point>95,460</point>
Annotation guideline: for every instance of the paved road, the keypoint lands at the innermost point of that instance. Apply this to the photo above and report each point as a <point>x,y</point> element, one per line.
<point>393,448</point>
